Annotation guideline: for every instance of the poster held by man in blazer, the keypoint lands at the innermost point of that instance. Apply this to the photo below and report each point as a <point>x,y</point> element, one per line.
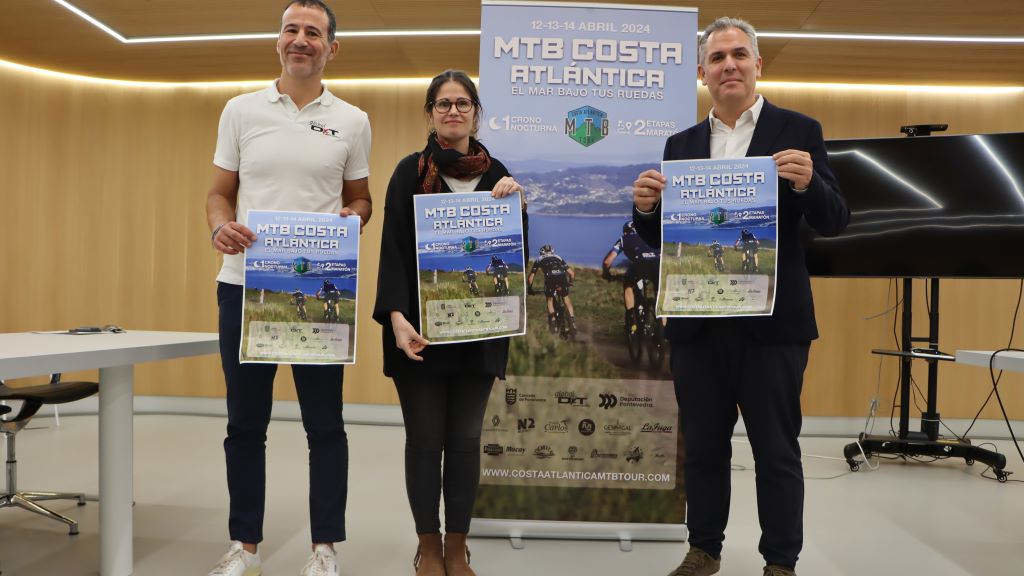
<point>753,363</point>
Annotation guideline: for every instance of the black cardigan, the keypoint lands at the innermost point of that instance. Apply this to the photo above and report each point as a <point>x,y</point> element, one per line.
<point>397,285</point>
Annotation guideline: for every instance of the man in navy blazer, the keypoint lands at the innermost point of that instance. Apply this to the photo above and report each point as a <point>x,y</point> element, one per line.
<point>753,363</point>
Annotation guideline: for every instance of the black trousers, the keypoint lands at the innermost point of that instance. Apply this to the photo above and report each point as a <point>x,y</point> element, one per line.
<point>443,414</point>
<point>713,376</point>
<point>250,390</point>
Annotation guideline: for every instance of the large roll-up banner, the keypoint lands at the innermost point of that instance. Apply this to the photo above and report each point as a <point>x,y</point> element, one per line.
<point>583,438</point>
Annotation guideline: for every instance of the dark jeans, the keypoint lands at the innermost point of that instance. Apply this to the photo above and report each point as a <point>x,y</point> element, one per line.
<point>713,376</point>
<point>249,396</point>
<point>442,414</point>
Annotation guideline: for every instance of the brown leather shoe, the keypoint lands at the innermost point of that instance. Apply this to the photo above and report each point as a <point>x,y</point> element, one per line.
<point>456,555</point>
<point>776,570</point>
<point>429,560</point>
<point>697,563</point>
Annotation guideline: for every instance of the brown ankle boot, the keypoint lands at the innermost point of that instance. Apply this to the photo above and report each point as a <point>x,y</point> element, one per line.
<point>429,560</point>
<point>456,555</point>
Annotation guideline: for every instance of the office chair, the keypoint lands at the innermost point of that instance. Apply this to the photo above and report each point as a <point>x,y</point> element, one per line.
<point>33,398</point>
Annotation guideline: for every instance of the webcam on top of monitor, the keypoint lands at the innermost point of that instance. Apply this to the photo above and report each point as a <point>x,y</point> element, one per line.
<point>912,130</point>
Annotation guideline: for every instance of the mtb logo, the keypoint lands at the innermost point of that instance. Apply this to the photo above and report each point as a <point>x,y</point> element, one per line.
<point>319,127</point>
<point>469,244</point>
<point>586,125</point>
<point>608,401</point>
<point>718,216</point>
<point>300,265</point>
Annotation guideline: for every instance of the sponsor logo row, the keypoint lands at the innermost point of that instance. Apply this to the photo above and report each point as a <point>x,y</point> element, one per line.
<point>585,426</point>
<point>633,454</point>
<point>604,400</point>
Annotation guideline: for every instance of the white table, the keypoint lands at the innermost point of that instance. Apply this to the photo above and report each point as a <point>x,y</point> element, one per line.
<point>1010,360</point>
<point>30,354</point>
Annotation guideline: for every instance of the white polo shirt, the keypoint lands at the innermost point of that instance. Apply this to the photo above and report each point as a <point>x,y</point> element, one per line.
<point>289,159</point>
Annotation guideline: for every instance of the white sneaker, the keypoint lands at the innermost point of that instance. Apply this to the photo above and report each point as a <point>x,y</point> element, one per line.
<point>237,562</point>
<point>321,563</point>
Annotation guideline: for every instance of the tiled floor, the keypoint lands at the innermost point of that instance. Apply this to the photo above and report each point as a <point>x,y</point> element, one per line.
<point>939,519</point>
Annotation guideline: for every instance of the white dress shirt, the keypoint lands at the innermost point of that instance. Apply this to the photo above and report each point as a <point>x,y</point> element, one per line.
<point>729,142</point>
<point>733,142</point>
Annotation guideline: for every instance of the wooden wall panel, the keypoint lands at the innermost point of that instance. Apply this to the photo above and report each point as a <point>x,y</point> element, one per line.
<point>102,189</point>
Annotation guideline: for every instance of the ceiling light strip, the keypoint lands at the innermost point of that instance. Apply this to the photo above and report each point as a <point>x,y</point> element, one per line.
<point>82,14</point>
<point>273,35</point>
<point>4,64</point>
<point>411,80</point>
<point>894,37</point>
<point>915,88</point>
<point>472,32</point>
<point>375,33</point>
<point>198,38</point>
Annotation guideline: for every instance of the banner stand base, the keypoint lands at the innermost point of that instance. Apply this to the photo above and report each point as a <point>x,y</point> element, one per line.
<point>626,533</point>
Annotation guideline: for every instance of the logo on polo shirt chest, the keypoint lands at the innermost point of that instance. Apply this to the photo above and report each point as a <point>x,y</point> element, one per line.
<point>320,128</point>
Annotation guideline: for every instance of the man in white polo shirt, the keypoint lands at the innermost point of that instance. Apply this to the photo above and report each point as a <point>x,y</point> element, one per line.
<point>293,146</point>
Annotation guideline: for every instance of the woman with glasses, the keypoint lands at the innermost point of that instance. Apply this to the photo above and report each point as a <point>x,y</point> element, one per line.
<point>443,390</point>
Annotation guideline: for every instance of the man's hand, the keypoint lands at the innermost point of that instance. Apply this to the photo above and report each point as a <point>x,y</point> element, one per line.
<point>795,166</point>
<point>233,238</point>
<point>647,190</point>
<point>406,338</point>
<point>346,212</point>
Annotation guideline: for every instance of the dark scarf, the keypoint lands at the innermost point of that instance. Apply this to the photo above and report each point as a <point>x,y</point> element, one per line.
<point>437,159</point>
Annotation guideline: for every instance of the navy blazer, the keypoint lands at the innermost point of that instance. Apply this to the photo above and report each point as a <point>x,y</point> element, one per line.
<point>821,206</point>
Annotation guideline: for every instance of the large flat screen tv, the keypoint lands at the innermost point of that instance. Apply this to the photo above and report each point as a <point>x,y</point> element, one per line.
<point>942,206</point>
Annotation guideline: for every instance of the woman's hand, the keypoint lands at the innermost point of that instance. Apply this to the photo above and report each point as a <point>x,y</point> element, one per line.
<point>506,187</point>
<point>406,338</point>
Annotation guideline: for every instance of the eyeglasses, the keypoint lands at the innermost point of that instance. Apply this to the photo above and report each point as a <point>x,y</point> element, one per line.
<point>463,105</point>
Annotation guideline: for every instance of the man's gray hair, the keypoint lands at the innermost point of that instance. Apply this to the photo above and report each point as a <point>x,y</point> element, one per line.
<point>725,23</point>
